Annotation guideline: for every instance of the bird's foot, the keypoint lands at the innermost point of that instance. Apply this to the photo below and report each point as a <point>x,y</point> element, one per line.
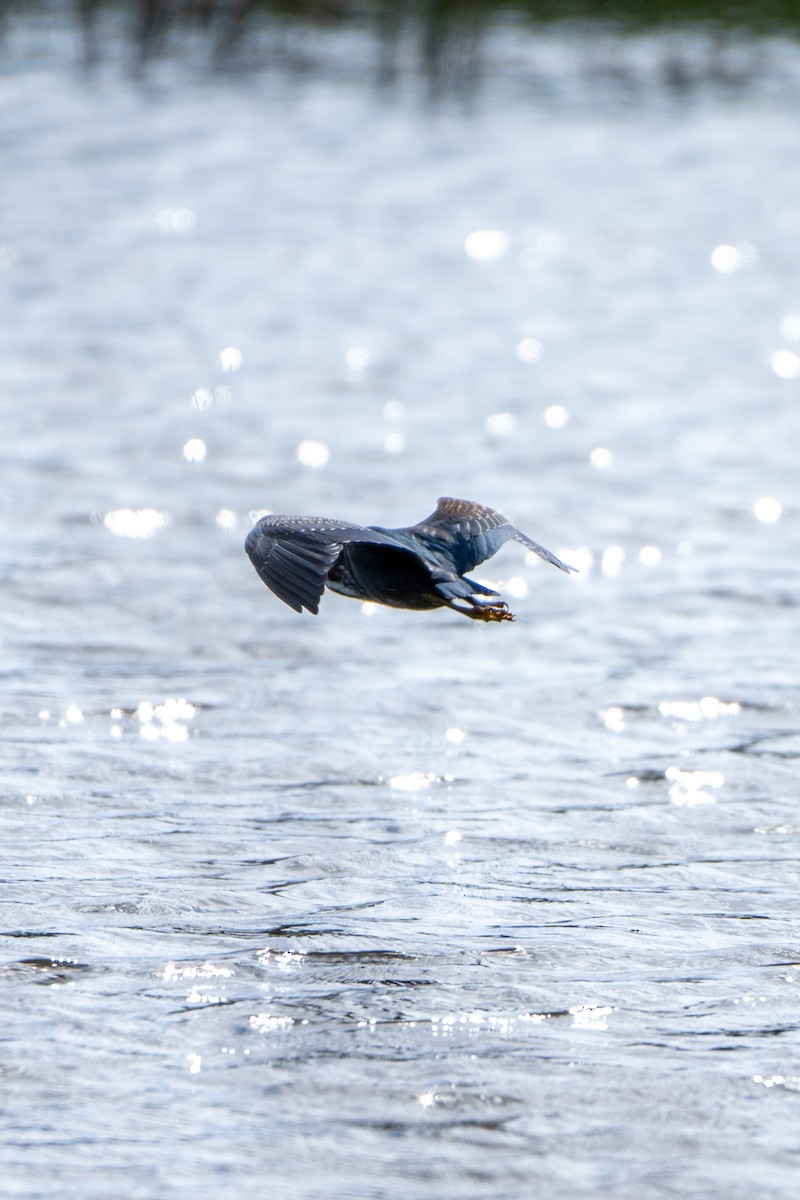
<point>491,612</point>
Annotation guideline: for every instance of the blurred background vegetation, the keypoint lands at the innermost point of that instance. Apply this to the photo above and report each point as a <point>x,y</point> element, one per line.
<point>442,40</point>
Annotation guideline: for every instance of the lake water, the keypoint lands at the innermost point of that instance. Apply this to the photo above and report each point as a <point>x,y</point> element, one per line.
<point>384,904</point>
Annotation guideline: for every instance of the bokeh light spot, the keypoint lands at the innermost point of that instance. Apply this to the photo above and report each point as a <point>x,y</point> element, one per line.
<point>485,244</point>
<point>203,398</point>
<point>195,450</point>
<point>707,709</point>
<point>601,457</point>
<point>135,522</point>
<point>689,787</point>
<point>529,350</point>
<point>313,454</point>
<point>614,719</point>
<point>230,359</point>
<point>768,510</point>
<point>786,364</point>
<point>226,519</point>
<point>612,560</point>
<point>726,258</point>
<point>516,587</point>
<point>556,416</point>
<point>357,358</point>
<point>176,220</point>
<point>413,781</point>
<point>500,424</point>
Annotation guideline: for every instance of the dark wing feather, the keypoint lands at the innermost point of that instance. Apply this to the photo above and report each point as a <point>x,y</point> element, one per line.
<point>470,533</point>
<point>293,555</point>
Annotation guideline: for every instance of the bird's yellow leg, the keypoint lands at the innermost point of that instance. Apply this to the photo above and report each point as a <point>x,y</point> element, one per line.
<point>491,612</point>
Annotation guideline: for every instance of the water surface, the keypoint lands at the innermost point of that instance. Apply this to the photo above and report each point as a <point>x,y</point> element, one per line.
<point>386,904</point>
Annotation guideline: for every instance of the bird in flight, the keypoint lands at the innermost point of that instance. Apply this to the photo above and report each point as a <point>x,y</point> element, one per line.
<point>421,566</point>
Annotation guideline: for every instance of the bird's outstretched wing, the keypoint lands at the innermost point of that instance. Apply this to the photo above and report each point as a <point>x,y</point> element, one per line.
<point>293,555</point>
<point>470,533</point>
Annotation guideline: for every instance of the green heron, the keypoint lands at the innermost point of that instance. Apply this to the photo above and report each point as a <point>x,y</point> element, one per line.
<point>422,566</point>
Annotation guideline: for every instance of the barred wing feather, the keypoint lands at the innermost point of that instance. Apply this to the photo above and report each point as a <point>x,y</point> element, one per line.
<point>293,555</point>
<point>471,533</point>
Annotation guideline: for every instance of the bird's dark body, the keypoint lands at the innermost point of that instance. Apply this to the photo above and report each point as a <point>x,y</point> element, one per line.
<point>419,567</point>
<point>384,574</point>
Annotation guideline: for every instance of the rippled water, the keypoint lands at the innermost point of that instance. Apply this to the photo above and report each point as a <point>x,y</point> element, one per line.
<point>386,904</point>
